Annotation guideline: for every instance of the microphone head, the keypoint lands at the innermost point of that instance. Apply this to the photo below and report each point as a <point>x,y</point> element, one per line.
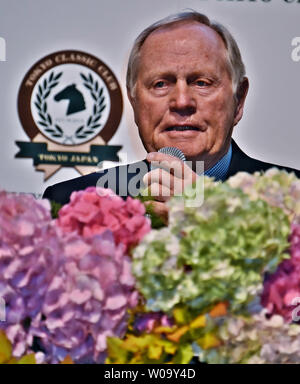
<point>173,151</point>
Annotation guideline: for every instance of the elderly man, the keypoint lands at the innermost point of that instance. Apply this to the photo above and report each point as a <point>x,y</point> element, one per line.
<point>187,87</point>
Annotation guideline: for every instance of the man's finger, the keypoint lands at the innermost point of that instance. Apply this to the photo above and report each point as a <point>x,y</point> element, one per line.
<point>159,176</point>
<point>160,209</point>
<point>172,165</point>
<point>158,192</point>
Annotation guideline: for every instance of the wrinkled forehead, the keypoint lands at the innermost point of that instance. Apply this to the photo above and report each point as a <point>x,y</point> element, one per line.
<point>181,37</point>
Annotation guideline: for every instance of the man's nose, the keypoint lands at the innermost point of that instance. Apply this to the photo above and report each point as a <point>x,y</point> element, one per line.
<point>182,100</point>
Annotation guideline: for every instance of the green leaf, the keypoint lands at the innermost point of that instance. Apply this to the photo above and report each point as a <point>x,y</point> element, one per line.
<point>55,207</point>
<point>184,354</point>
<point>5,348</point>
<point>181,315</point>
<point>155,351</point>
<point>28,359</point>
<point>116,354</point>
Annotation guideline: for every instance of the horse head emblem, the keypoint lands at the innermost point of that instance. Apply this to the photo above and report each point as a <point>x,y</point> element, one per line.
<point>75,97</point>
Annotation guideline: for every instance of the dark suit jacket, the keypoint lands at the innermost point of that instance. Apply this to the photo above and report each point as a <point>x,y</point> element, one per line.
<point>61,192</point>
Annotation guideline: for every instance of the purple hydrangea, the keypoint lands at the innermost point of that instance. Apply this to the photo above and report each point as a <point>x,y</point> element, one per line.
<point>146,322</point>
<point>87,300</point>
<point>64,294</point>
<point>29,258</point>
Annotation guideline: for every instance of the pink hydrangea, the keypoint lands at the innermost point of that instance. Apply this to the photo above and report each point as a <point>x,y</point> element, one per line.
<point>87,300</point>
<point>281,294</point>
<point>94,210</point>
<point>29,258</point>
<point>65,293</point>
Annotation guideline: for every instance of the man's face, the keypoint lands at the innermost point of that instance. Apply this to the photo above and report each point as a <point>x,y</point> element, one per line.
<point>183,95</point>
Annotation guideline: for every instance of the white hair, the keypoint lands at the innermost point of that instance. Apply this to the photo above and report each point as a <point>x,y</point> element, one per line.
<point>235,63</point>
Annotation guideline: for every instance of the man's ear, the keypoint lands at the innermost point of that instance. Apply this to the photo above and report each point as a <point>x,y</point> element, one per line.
<point>130,97</point>
<point>241,94</point>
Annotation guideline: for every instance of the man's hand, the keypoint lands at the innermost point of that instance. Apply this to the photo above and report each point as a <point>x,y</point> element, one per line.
<point>168,177</point>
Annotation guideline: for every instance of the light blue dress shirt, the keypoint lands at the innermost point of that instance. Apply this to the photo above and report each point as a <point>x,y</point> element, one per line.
<point>220,169</point>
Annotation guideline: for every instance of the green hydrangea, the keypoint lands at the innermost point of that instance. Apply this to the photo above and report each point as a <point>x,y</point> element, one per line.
<point>277,188</point>
<point>211,253</point>
<point>255,340</point>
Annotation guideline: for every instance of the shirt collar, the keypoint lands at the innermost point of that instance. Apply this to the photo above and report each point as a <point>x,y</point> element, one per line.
<point>220,169</point>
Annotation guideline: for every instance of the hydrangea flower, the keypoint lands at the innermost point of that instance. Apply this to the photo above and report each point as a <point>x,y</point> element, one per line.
<point>255,340</point>
<point>277,188</point>
<point>281,293</point>
<point>87,300</point>
<point>94,210</point>
<point>64,293</point>
<point>212,253</point>
<point>146,322</point>
<point>29,258</point>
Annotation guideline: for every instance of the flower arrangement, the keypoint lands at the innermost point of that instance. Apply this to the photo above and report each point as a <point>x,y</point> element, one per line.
<point>225,274</point>
<point>67,283</point>
<point>219,283</point>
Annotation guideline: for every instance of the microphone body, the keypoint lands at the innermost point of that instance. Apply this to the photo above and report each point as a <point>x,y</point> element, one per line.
<point>172,151</point>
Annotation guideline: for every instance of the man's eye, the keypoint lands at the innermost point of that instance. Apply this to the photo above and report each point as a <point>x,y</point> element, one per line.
<point>159,84</point>
<point>201,83</point>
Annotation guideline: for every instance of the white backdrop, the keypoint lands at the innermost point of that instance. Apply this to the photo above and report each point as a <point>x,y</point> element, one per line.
<point>264,30</point>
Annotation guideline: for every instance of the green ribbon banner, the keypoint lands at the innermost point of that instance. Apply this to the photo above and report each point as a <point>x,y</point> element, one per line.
<point>40,154</point>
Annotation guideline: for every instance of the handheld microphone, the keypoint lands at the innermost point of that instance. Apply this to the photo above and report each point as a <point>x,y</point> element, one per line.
<point>172,151</point>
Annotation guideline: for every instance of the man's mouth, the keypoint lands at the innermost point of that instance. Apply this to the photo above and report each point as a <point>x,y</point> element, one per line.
<point>182,128</point>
